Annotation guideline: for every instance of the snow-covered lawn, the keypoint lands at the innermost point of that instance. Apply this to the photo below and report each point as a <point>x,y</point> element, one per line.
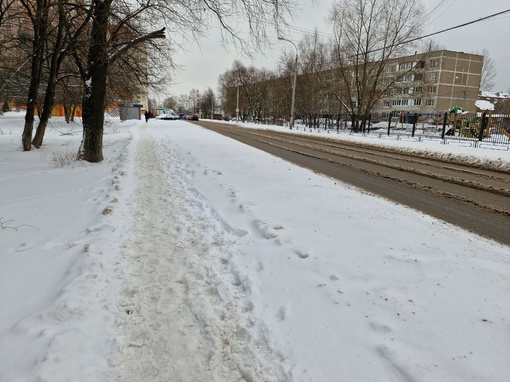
<point>187,256</point>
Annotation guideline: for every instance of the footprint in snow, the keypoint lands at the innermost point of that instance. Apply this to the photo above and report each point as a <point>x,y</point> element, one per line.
<point>302,253</point>
<point>282,312</point>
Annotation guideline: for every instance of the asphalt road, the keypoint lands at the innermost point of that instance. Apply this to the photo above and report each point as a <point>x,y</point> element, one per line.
<point>475,198</point>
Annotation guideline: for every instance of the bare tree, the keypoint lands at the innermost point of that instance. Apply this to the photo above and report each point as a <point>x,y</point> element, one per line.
<point>170,103</point>
<point>207,103</point>
<point>368,33</point>
<point>15,52</point>
<point>431,45</point>
<point>488,71</point>
<point>249,85</point>
<point>503,107</point>
<point>184,104</point>
<point>312,92</point>
<point>62,37</point>
<point>186,16</point>
<point>38,12</point>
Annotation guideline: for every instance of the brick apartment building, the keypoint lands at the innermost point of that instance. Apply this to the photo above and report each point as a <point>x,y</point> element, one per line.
<point>431,83</point>
<point>15,64</point>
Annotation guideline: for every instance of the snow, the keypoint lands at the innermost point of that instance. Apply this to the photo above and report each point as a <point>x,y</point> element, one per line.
<point>484,105</point>
<point>188,256</point>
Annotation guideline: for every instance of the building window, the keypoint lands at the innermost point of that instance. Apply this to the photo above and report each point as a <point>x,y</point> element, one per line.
<point>386,103</point>
<point>433,76</point>
<point>400,102</point>
<point>405,65</point>
<point>430,102</point>
<point>434,63</point>
<point>390,69</point>
<point>431,89</point>
<point>418,89</point>
<point>417,102</point>
<point>406,78</point>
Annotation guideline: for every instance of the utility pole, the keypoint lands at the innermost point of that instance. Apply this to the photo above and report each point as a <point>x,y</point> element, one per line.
<point>237,108</point>
<point>291,122</point>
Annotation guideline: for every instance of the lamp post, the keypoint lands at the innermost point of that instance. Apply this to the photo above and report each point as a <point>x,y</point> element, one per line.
<point>454,84</point>
<point>237,107</point>
<point>291,122</point>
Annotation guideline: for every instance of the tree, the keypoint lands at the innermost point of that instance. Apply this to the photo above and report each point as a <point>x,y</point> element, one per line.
<point>12,59</point>
<point>313,82</point>
<point>207,103</point>
<point>54,27</point>
<point>488,71</point>
<point>368,33</point>
<point>170,103</point>
<point>184,104</point>
<point>62,39</point>
<point>251,84</point>
<point>38,12</point>
<point>105,46</point>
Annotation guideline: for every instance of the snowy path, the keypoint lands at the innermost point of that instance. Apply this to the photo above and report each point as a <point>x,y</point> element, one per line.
<point>188,256</point>
<point>180,325</point>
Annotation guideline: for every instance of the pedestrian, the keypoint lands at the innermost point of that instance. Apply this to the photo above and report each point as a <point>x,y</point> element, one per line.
<point>147,116</point>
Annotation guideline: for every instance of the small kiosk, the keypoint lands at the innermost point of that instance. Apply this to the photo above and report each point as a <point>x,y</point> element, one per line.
<point>130,111</point>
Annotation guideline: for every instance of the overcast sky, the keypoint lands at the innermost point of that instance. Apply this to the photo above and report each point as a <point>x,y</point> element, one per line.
<point>203,63</point>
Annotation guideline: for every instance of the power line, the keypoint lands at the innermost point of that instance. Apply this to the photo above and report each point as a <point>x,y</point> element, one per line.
<point>305,30</point>
<point>430,34</point>
<point>443,3</point>
<point>455,27</point>
<point>436,33</point>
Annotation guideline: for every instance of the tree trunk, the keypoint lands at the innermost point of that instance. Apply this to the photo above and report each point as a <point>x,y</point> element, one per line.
<point>56,58</point>
<point>44,118</point>
<point>26,138</point>
<point>47,108</point>
<point>39,134</point>
<point>95,85</point>
<point>35,73</point>
<point>67,112</point>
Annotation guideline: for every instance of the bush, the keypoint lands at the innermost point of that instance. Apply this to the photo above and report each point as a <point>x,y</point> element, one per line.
<point>63,159</point>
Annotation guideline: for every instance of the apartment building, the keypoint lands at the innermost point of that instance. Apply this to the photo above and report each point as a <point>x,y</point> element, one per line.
<point>15,62</point>
<point>431,83</point>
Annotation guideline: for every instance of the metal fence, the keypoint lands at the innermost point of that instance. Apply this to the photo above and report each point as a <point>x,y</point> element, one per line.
<point>475,129</point>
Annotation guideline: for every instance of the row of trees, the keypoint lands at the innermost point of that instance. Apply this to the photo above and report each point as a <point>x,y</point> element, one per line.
<point>93,51</point>
<point>341,74</point>
<point>195,102</point>
<point>344,74</point>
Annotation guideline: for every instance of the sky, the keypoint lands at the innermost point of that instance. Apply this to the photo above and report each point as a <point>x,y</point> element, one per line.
<point>204,63</point>
<point>189,256</point>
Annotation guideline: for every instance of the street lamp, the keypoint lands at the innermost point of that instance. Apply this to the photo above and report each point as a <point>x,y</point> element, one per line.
<point>291,124</point>
<point>454,83</point>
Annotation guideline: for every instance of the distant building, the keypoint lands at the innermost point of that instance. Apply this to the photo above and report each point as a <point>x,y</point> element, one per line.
<point>424,83</point>
<point>15,67</point>
<point>431,83</point>
<point>493,97</point>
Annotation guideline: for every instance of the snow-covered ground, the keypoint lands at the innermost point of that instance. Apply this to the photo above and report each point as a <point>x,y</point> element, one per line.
<point>187,256</point>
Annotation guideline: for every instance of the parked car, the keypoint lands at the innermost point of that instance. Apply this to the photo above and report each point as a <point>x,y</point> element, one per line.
<point>169,116</point>
<point>192,117</point>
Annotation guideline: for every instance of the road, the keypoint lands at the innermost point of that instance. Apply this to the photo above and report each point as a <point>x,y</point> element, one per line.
<point>473,197</point>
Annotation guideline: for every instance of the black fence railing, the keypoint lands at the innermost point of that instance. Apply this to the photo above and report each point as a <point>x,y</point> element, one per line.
<point>475,128</point>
